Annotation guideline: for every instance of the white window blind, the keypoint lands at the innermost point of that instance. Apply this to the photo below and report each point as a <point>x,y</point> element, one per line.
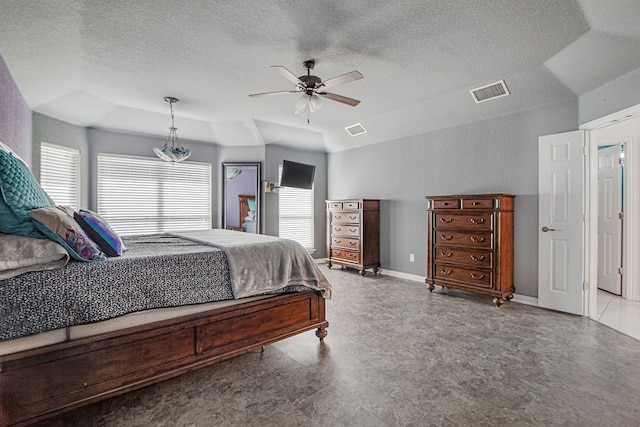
<point>296,214</point>
<point>60,174</point>
<point>140,195</point>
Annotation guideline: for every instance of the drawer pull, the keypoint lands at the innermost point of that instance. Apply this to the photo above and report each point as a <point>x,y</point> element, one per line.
<point>352,255</point>
<point>478,277</point>
<point>446,220</point>
<point>353,216</point>
<point>477,221</point>
<point>449,237</point>
<point>337,241</point>
<point>353,230</point>
<point>337,216</point>
<point>353,243</point>
<point>443,271</point>
<point>338,253</point>
<point>337,228</point>
<point>475,203</point>
<point>445,203</point>
<point>475,258</point>
<point>474,239</point>
<point>446,255</point>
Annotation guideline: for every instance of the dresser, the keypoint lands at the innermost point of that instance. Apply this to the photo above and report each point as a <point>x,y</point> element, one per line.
<point>470,244</point>
<point>353,234</point>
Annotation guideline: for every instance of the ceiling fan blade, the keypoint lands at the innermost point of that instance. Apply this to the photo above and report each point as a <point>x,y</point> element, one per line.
<point>287,74</point>
<point>343,99</point>
<point>345,78</point>
<point>281,92</point>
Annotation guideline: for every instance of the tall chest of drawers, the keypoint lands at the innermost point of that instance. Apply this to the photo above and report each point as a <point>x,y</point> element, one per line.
<point>470,244</point>
<point>353,234</point>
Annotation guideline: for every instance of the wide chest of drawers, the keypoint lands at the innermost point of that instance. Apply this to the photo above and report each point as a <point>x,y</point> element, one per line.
<point>470,244</point>
<point>353,234</point>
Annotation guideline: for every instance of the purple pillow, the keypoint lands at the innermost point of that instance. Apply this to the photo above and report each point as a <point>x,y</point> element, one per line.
<point>100,232</point>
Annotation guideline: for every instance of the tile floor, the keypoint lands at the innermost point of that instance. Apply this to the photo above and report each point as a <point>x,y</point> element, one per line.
<point>397,355</point>
<point>618,313</point>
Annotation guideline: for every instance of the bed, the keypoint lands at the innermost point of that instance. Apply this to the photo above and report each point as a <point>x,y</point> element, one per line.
<point>105,334</point>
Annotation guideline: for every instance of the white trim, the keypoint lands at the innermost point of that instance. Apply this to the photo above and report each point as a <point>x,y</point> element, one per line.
<point>401,275</point>
<point>525,299</point>
<point>611,118</point>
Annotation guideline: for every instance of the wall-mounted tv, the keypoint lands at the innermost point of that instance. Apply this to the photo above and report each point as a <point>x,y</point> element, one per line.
<point>297,175</point>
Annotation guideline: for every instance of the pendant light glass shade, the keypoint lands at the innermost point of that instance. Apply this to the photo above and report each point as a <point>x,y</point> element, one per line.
<point>172,150</point>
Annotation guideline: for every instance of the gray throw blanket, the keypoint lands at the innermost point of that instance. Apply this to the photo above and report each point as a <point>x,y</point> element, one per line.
<point>260,264</point>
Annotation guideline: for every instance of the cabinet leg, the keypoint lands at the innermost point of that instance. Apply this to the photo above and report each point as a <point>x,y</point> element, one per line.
<point>329,265</point>
<point>375,270</point>
<point>321,333</point>
<point>509,297</point>
<point>498,301</point>
<point>362,272</point>
<point>430,287</point>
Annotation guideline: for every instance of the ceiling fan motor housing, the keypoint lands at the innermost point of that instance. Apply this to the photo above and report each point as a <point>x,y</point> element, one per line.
<point>310,83</point>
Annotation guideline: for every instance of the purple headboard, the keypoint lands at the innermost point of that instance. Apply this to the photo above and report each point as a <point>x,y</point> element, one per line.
<point>15,115</point>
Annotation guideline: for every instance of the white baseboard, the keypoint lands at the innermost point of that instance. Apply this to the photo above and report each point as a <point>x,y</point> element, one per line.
<point>521,299</point>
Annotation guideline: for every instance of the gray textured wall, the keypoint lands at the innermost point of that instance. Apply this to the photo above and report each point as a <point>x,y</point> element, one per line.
<point>274,155</point>
<point>490,156</point>
<point>15,116</point>
<point>614,96</point>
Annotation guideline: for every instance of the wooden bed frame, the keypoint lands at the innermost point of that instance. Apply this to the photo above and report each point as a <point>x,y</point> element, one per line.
<point>43,382</point>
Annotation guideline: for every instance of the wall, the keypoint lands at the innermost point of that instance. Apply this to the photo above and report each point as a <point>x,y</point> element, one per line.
<point>274,155</point>
<point>47,129</point>
<point>15,116</point>
<point>609,98</point>
<point>497,155</point>
<point>101,141</point>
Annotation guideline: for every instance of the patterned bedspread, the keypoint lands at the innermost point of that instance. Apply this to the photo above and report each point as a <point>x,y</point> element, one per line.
<point>155,271</point>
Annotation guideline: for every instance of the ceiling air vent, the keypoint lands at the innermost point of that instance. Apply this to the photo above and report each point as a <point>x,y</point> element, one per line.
<point>356,129</point>
<point>491,91</point>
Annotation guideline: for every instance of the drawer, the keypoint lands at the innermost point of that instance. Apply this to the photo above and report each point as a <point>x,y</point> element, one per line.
<point>486,203</point>
<point>346,255</point>
<point>345,230</point>
<point>350,205</point>
<point>345,243</point>
<point>469,276</point>
<point>334,206</point>
<point>476,257</point>
<point>345,217</point>
<point>446,204</point>
<point>479,221</point>
<point>476,239</point>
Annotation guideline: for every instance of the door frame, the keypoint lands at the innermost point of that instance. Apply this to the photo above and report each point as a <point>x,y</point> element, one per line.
<point>590,248</point>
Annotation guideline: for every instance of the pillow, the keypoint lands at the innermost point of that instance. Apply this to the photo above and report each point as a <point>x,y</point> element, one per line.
<point>4,147</point>
<point>19,193</point>
<point>252,204</point>
<point>100,232</point>
<point>57,223</point>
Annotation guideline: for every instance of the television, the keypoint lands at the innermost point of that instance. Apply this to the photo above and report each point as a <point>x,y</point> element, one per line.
<point>297,175</point>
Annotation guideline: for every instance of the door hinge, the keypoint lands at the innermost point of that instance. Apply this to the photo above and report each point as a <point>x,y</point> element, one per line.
<point>585,150</point>
<point>585,217</point>
<point>620,215</point>
<point>621,160</point>
<point>585,285</point>
<point>620,271</point>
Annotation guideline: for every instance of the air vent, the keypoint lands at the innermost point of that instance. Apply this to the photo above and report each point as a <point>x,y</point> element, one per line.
<point>356,129</point>
<point>488,92</point>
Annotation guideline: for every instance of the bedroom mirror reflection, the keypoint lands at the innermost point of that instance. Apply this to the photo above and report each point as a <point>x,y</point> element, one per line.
<point>241,196</point>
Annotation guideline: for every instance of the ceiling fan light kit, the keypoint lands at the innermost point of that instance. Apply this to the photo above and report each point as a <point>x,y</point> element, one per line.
<point>312,88</point>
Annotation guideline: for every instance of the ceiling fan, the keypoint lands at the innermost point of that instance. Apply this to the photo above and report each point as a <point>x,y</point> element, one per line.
<point>313,88</point>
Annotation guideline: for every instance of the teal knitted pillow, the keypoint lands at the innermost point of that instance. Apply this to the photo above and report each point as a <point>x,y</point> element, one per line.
<point>19,193</point>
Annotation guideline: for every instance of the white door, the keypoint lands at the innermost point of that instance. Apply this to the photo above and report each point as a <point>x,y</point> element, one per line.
<point>609,222</point>
<point>560,221</point>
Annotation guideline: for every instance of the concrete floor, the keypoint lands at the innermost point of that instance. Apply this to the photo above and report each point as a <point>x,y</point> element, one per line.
<point>398,355</point>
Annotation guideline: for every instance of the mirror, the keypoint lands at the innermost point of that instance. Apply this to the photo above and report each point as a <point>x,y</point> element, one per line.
<point>241,204</point>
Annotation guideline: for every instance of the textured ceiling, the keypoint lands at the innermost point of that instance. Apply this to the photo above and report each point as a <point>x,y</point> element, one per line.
<point>108,63</point>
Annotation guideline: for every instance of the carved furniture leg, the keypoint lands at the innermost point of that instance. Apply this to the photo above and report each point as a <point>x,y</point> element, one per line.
<point>498,301</point>
<point>362,272</point>
<point>375,270</point>
<point>329,265</point>
<point>430,287</point>
<point>321,333</point>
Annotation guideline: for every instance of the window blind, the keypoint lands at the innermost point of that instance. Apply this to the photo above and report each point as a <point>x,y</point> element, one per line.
<point>296,214</point>
<point>140,195</point>
<point>60,174</point>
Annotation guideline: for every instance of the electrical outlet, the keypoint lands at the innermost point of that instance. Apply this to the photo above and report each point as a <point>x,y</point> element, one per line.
<point>412,258</point>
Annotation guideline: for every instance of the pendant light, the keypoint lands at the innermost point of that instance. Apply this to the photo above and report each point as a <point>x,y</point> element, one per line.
<point>172,150</point>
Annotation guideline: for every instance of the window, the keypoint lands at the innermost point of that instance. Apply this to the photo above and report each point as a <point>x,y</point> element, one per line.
<point>140,195</point>
<point>60,174</point>
<point>296,214</point>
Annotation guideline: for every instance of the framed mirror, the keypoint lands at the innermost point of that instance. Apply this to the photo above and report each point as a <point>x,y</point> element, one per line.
<point>241,204</point>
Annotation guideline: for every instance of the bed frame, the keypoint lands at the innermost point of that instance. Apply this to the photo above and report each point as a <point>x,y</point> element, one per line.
<point>43,382</point>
